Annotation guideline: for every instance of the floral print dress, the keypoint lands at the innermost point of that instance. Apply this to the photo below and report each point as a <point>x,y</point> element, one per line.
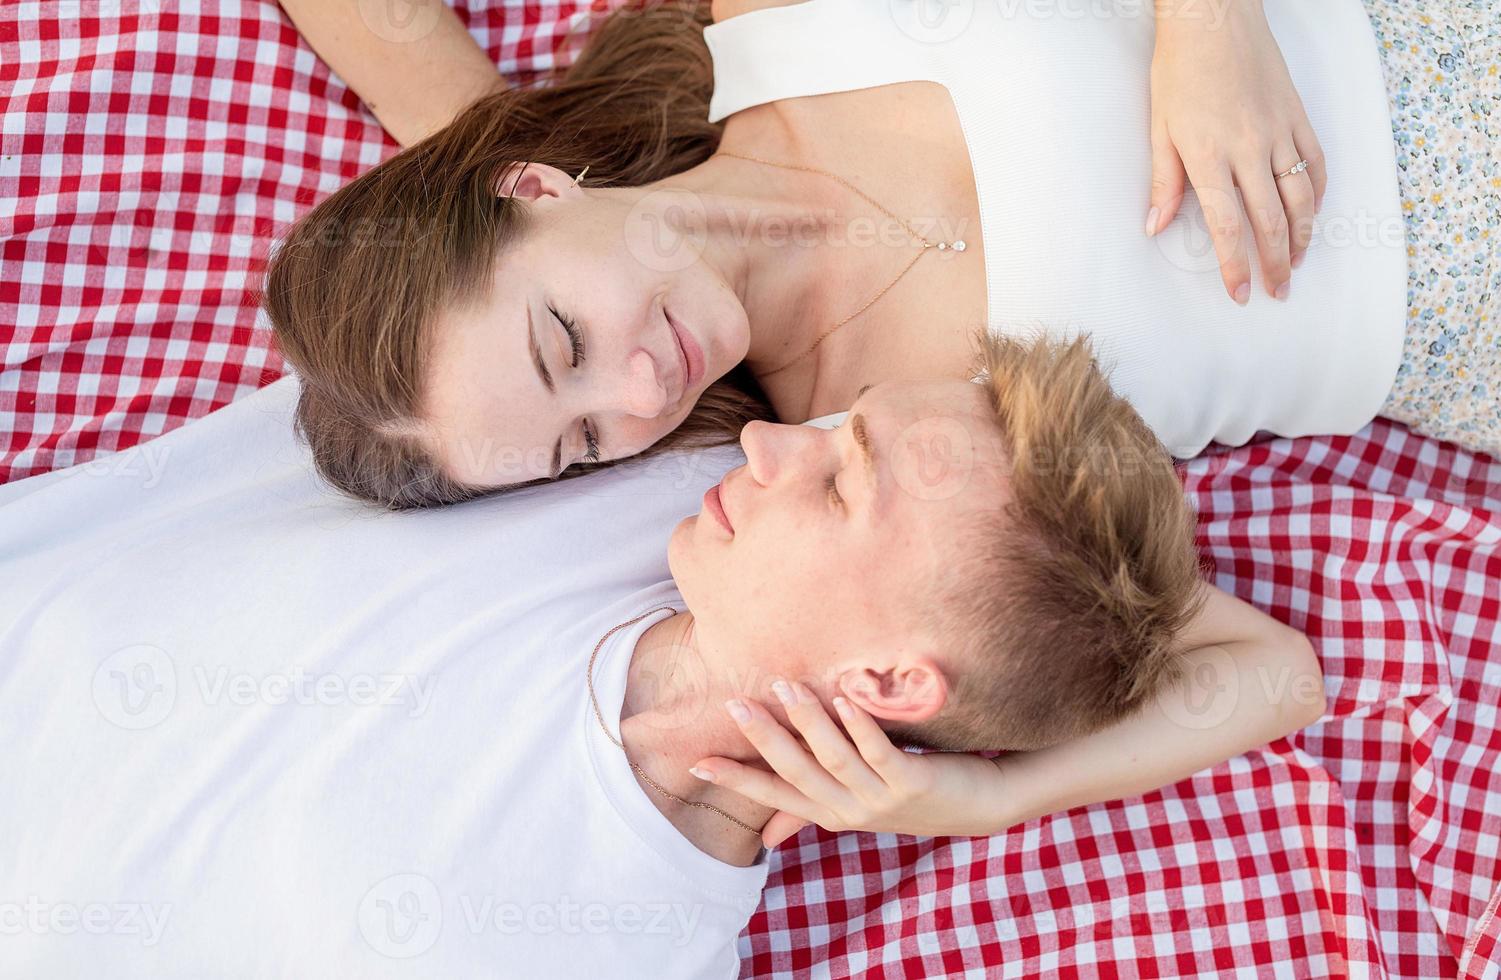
<point>1442,64</point>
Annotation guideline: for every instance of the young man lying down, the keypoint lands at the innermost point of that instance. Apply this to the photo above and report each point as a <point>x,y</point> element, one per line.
<point>193,786</point>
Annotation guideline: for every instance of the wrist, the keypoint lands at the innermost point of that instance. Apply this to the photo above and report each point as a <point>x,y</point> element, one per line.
<point>1005,794</point>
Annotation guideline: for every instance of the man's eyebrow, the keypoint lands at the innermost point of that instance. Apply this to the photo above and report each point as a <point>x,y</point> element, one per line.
<point>862,439</point>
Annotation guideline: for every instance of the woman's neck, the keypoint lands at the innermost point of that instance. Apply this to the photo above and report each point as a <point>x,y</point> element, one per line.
<point>764,230</point>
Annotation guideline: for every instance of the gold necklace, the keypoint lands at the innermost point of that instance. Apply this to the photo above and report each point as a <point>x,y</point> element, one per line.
<point>610,735</point>
<point>956,245</point>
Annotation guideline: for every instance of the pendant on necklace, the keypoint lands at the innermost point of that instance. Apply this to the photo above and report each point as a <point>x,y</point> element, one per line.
<point>957,246</point>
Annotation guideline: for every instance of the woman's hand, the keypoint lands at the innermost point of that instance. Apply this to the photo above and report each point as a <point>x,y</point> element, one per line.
<point>858,781</point>
<point>1225,114</point>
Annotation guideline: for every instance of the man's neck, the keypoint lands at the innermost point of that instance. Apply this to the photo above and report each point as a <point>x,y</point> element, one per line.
<point>673,715</point>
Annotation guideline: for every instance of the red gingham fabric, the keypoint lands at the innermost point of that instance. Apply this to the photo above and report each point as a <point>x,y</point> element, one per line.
<point>1365,845</point>
<point>149,152</point>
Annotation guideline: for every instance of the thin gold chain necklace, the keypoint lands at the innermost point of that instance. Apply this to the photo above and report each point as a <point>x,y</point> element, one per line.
<point>957,245</point>
<point>611,736</point>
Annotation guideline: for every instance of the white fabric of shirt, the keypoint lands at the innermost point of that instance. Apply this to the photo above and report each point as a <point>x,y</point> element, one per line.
<point>1053,97</point>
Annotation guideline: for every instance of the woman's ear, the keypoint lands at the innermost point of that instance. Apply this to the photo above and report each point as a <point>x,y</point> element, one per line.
<point>530,181</point>
<point>911,692</point>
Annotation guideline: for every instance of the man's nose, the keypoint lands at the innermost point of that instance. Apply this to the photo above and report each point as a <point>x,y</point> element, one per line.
<point>638,391</point>
<point>773,450</point>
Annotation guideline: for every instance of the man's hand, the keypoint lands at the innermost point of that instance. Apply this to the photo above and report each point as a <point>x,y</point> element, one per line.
<point>1225,114</point>
<point>854,781</point>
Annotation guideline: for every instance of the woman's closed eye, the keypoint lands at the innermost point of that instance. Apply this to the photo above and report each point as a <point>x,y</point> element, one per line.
<point>575,336</point>
<point>591,444</point>
<point>833,488</point>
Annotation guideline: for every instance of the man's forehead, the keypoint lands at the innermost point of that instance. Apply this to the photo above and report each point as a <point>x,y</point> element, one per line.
<point>939,445</point>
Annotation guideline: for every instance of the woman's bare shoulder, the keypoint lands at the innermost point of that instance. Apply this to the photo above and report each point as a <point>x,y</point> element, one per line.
<point>725,9</point>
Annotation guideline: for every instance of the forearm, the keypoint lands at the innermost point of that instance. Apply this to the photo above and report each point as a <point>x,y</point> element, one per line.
<point>413,64</point>
<point>1233,698</point>
<point>1175,18</point>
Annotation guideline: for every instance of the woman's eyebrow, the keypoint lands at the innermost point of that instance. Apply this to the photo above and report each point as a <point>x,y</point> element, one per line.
<point>536,352</point>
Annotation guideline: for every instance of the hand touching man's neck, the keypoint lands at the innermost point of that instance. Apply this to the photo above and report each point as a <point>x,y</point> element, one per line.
<point>674,715</point>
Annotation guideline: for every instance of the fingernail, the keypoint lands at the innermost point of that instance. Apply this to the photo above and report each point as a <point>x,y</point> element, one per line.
<point>842,706</point>
<point>1243,293</point>
<point>703,774</point>
<point>782,691</point>
<point>737,710</point>
<point>1282,291</point>
<point>1298,259</point>
<point>1152,217</point>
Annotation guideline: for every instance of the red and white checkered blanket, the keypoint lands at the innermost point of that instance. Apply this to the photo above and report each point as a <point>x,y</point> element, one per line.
<point>149,153</point>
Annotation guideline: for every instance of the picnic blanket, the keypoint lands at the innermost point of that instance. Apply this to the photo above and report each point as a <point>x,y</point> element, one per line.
<point>149,154</point>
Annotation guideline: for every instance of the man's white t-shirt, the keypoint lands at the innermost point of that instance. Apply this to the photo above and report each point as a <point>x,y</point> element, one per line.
<point>251,728</point>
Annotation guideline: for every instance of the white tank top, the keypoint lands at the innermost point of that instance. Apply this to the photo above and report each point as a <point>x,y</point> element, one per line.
<point>1053,99</point>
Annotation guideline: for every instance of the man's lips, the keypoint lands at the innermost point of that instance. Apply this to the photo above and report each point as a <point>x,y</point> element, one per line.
<point>691,353</point>
<point>713,505</point>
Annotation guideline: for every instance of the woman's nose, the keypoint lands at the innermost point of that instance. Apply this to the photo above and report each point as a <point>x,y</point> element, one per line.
<point>640,392</point>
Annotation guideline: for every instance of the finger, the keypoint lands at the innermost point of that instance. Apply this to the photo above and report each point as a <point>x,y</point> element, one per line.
<point>886,760</point>
<point>1309,149</point>
<point>1296,191</point>
<point>758,785</point>
<point>1167,182</point>
<point>1269,223</point>
<point>1215,188</point>
<point>781,826</point>
<point>836,753</point>
<point>790,760</point>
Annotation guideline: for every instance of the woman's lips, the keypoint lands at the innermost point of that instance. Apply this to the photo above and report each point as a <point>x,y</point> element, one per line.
<point>715,506</point>
<point>693,355</point>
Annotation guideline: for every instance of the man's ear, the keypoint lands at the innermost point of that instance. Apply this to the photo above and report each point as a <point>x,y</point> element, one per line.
<point>911,692</point>
<point>530,181</point>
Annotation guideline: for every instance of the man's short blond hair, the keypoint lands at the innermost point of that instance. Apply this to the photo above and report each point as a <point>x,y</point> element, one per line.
<point>1062,607</point>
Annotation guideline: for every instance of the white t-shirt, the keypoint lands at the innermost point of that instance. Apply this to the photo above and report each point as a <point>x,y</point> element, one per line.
<point>252,728</point>
<point>1055,104</point>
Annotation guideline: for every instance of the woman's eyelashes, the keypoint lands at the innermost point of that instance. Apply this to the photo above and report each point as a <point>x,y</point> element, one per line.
<point>591,444</point>
<point>833,488</point>
<point>575,335</point>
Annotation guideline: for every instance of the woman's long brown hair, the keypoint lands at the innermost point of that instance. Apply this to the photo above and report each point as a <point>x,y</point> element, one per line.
<point>356,286</point>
